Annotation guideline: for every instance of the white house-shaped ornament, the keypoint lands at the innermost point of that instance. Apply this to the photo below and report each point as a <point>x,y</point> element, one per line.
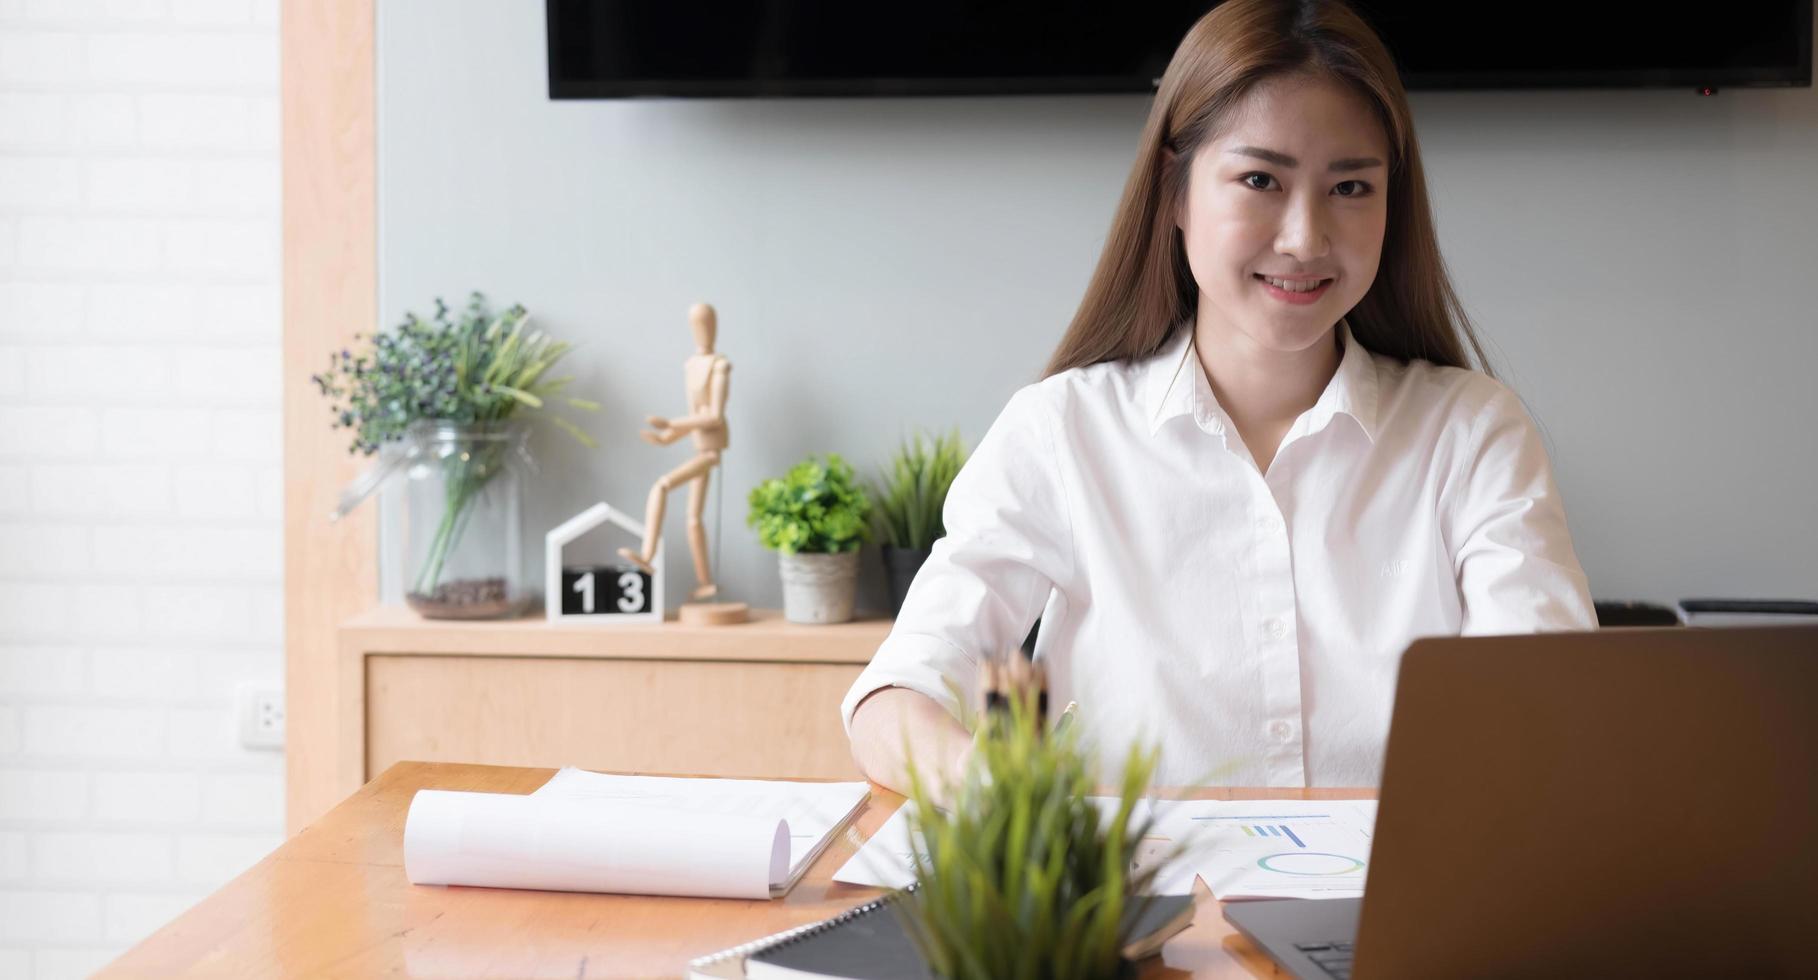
<point>600,593</point>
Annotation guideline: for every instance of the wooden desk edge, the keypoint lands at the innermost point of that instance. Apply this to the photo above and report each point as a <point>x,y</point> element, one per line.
<point>150,957</point>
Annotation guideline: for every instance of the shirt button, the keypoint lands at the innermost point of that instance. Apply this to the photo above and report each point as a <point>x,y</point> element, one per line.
<point>1268,525</point>
<point>1275,628</point>
<point>1281,730</point>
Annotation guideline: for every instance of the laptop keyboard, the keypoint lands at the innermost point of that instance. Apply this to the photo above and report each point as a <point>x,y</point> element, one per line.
<point>1334,958</point>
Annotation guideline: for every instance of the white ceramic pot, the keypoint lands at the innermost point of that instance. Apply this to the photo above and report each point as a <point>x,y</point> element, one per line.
<point>819,588</point>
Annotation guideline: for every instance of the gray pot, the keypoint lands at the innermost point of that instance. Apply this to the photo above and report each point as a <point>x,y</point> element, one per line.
<point>900,566</point>
<point>819,588</point>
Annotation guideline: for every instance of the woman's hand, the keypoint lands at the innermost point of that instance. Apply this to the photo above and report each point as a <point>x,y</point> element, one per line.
<point>893,725</point>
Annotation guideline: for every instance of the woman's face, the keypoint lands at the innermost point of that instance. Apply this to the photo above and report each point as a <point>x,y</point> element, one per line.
<point>1294,189</point>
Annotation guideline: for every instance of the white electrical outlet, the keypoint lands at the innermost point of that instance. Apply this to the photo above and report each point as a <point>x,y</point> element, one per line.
<point>260,709</point>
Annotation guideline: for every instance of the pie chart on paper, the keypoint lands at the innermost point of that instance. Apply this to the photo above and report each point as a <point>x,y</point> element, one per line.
<point>1309,864</point>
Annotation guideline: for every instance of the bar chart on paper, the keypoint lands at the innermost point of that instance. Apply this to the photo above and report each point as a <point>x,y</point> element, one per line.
<point>1282,830</point>
<point>1276,849</point>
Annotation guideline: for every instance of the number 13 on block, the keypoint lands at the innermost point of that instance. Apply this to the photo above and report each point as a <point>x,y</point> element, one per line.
<point>604,590</point>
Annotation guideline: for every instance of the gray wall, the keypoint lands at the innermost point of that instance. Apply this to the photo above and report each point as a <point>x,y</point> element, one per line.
<point>1641,262</point>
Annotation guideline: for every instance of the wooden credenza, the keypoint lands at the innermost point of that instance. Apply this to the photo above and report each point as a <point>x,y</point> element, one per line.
<point>749,700</point>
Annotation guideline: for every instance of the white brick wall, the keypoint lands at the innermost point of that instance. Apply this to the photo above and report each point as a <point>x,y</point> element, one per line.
<point>140,481</point>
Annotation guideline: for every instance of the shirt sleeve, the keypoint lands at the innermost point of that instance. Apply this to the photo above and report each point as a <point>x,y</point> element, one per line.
<point>1516,570</point>
<point>1008,542</point>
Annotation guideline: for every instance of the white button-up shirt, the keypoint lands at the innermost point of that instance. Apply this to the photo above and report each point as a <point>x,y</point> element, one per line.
<point>1250,624</point>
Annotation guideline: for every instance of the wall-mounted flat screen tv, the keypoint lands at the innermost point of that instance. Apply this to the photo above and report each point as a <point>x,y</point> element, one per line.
<point>757,48</point>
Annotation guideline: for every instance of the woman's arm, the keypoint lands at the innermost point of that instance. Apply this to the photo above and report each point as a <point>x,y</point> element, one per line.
<point>1008,545</point>
<point>894,724</point>
<point>1512,553</point>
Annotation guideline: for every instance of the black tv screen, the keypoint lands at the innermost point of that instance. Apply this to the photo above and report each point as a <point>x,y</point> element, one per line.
<point>720,48</point>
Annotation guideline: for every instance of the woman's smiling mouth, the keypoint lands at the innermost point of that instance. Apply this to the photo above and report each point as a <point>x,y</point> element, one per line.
<point>1297,291</point>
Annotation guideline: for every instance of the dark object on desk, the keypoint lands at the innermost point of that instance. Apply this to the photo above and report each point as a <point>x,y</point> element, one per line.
<point>870,943</point>
<point>1768,607</point>
<point>1281,928</point>
<point>1000,681</point>
<point>1611,612</point>
<point>1633,803</point>
<point>1703,613</point>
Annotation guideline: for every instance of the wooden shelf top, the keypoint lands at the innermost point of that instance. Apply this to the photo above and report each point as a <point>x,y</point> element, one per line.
<point>399,630</point>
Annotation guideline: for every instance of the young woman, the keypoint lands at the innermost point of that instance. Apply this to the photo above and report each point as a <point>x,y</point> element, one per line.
<point>1260,463</point>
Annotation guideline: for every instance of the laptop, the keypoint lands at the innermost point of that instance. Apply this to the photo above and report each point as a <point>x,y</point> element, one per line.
<point>1617,803</point>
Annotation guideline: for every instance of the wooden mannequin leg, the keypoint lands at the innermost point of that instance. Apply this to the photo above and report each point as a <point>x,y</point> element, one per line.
<point>697,537</point>
<point>653,511</point>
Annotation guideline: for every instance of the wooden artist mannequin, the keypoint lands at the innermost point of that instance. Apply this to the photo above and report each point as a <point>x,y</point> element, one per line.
<point>706,376</point>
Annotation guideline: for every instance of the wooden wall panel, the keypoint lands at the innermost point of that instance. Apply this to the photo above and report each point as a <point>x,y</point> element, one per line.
<point>330,293</point>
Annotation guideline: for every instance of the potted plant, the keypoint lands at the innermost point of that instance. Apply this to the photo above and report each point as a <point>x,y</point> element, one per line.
<point>1018,873</point>
<point>911,493</point>
<point>814,518</point>
<point>443,401</point>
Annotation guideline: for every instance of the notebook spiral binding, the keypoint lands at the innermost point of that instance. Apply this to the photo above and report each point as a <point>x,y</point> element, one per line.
<point>800,932</point>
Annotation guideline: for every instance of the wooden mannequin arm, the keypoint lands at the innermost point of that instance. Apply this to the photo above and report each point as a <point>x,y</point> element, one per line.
<point>715,413</point>
<point>690,423</point>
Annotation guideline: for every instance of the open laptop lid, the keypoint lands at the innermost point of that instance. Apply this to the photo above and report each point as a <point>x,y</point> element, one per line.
<point>1623,802</point>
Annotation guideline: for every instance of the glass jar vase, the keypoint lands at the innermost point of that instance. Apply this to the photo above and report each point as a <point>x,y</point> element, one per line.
<point>463,519</point>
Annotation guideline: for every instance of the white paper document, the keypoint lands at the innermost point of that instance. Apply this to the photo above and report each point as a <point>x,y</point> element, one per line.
<point>812,810</point>
<point>647,835</point>
<point>887,859</point>
<point>1248,849</point>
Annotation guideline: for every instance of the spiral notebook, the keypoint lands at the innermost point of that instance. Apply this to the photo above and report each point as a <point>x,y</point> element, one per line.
<point>870,943</point>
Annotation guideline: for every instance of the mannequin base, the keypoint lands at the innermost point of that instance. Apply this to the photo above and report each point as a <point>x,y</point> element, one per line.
<point>713,613</point>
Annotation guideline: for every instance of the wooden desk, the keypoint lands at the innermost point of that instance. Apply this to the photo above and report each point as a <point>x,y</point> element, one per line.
<point>333,902</point>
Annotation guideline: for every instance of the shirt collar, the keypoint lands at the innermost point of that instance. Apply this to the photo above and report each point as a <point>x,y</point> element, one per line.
<point>1168,379</point>
<point>1174,384</point>
<point>1352,390</point>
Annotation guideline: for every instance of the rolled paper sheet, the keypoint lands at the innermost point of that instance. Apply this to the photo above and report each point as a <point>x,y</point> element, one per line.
<point>501,840</point>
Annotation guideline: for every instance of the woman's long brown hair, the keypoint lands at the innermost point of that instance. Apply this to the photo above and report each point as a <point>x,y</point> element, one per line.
<point>1143,289</point>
